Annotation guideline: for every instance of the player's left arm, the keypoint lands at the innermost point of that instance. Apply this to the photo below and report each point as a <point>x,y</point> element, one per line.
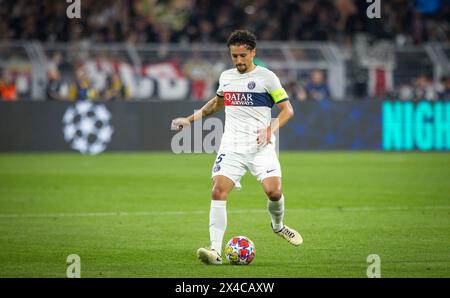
<point>286,113</point>
<point>281,99</point>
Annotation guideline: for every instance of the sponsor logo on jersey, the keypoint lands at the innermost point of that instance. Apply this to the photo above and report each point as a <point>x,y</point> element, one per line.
<point>238,99</point>
<point>252,99</point>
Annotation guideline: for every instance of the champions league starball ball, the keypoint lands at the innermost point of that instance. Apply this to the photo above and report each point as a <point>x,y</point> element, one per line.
<point>240,250</point>
<point>87,127</point>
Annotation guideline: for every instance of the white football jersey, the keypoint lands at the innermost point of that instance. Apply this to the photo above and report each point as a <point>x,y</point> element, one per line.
<point>248,99</point>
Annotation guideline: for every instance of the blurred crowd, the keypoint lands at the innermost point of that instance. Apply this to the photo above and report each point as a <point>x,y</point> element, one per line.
<point>420,88</point>
<point>423,88</point>
<point>72,84</point>
<point>313,88</point>
<point>80,86</point>
<point>190,22</point>
<point>406,21</point>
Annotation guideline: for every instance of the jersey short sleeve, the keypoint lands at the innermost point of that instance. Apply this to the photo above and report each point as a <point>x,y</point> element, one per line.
<point>275,89</point>
<point>219,91</point>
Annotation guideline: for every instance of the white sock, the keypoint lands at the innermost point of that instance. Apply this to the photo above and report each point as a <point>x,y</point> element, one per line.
<point>217,224</point>
<point>276,211</point>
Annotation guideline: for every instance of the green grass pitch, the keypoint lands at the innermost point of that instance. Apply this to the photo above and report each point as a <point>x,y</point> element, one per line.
<point>145,215</point>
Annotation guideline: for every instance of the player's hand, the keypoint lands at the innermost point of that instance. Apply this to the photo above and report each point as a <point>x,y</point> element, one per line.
<point>263,136</point>
<point>179,123</point>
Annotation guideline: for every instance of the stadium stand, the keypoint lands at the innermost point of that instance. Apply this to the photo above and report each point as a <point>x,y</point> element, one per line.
<point>174,50</point>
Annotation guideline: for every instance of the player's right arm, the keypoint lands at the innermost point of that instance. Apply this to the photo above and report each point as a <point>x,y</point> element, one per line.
<point>211,107</point>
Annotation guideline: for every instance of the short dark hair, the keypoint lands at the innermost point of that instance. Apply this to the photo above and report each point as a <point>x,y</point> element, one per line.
<point>242,38</point>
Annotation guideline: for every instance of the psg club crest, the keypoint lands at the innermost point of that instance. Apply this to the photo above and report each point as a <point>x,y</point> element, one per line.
<point>251,85</point>
<point>216,168</point>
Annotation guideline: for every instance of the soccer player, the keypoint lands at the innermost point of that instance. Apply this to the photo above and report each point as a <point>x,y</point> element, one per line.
<point>248,93</point>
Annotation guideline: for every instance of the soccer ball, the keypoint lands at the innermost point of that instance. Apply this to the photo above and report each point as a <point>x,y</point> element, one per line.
<point>240,250</point>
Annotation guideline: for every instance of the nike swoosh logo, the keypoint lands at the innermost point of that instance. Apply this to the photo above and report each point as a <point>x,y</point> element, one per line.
<point>226,84</point>
<point>270,171</point>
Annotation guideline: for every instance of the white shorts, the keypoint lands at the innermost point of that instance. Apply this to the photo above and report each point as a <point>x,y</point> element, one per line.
<point>261,164</point>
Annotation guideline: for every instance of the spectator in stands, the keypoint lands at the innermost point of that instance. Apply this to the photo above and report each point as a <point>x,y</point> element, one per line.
<point>346,12</point>
<point>115,90</point>
<point>424,88</point>
<point>53,88</point>
<point>316,88</point>
<point>82,89</point>
<point>443,89</point>
<point>8,90</point>
<point>187,21</point>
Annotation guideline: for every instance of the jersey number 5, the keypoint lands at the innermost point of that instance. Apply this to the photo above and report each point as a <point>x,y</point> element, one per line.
<point>219,158</point>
